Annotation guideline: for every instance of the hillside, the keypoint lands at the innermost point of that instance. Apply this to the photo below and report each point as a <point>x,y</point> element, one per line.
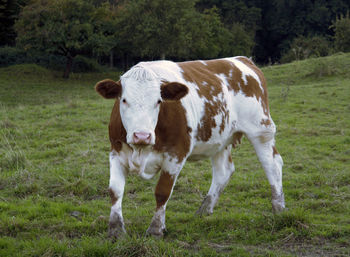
<point>54,173</point>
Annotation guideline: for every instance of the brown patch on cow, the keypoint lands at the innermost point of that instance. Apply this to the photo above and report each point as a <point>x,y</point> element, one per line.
<point>252,88</point>
<point>114,199</point>
<point>266,122</point>
<point>163,188</point>
<point>117,132</point>
<point>172,132</point>
<point>254,85</point>
<point>237,137</point>
<point>236,81</point>
<point>230,158</point>
<point>246,61</point>
<point>204,128</point>
<point>224,117</point>
<point>265,136</point>
<point>274,151</point>
<point>208,87</point>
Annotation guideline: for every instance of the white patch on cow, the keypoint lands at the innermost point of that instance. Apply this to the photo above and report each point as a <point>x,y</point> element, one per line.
<point>172,165</point>
<point>203,62</point>
<point>223,79</point>
<point>249,113</point>
<point>143,161</point>
<point>152,165</point>
<point>246,71</point>
<point>230,73</point>
<point>222,171</point>
<point>117,181</point>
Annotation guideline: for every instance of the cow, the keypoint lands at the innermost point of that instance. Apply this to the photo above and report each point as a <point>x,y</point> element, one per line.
<point>166,113</point>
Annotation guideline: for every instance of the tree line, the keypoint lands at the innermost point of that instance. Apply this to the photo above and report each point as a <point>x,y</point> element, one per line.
<point>130,30</point>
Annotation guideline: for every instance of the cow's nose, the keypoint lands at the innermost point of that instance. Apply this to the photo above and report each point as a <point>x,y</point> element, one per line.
<point>142,138</point>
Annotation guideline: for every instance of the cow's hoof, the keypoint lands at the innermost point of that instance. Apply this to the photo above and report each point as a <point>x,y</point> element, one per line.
<point>156,232</point>
<point>205,208</point>
<point>278,207</point>
<point>116,229</point>
<point>278,203</point>
<point>116,233</point>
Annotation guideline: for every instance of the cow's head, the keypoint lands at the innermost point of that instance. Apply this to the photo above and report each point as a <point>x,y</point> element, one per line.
<point>140,93</point>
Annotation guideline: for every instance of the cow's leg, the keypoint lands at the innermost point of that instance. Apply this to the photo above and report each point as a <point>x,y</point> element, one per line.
<point>163,192</point>
<point>116,190</point>
<point>272,163</point>
<point>223,168</point>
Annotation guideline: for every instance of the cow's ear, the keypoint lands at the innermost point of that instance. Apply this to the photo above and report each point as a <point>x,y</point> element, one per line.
<point>173,90</point>
<point>109,89</point>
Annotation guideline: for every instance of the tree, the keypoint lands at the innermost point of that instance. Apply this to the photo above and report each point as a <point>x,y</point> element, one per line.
<point>284,20</point>
<point>63,27</point>
<point>341,27</point>
<point>105,31</point>
<point>174,28</point>
<point>240,20</point>
<point>154,27</point>
<point>9,10</point>
<point>210,38</point>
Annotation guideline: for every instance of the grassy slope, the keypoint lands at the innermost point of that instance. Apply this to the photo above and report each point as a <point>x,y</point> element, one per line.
<point>54,173</point>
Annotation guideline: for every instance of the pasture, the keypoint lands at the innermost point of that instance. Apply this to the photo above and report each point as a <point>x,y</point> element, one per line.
<point>54,173</point>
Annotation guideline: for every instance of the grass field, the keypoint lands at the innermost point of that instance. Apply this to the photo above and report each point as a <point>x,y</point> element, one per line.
<point>54,173</point>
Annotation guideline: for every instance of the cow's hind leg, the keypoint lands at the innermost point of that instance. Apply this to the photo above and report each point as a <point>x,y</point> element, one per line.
<point>223,168</point>
<point>271,160</point>
<point>162,193</point>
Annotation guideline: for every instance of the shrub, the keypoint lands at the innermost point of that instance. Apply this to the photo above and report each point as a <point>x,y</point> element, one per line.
<point>12,56</point>
<point>83,64</point>
<point>306,47</point>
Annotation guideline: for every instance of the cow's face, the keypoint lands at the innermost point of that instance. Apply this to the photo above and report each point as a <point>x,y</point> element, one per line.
<point>140,103</point>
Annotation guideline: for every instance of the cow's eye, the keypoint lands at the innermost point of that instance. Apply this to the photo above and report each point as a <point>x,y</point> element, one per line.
<point>124,100</point>
<point>159,101</point>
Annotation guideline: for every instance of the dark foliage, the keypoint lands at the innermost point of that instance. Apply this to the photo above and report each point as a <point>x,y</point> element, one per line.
<point>122,32</point>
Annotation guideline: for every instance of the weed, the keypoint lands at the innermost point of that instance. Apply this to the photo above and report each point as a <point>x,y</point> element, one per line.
<point>285,92</point>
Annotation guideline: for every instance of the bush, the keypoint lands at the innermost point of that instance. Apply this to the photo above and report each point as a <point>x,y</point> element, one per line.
<point>341,27</point>
<point>306,47</point>
<point>12,56</point>
<point>83,64</point>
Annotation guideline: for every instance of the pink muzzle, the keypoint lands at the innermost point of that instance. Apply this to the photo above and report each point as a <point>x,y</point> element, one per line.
<point>141,138</point>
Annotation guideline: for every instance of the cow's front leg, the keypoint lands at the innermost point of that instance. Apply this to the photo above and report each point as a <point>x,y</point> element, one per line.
<point>116,190</point>
<point>163,191</point>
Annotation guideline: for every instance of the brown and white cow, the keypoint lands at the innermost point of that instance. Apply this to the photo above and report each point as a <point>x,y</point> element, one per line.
<point>166,113</point>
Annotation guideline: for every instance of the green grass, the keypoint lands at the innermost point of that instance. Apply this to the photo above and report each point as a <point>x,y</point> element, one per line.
<point>54,173</point>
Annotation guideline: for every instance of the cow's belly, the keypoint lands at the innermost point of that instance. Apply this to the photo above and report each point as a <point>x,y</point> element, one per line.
<point>204,151</point>
<point>218,142</point>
